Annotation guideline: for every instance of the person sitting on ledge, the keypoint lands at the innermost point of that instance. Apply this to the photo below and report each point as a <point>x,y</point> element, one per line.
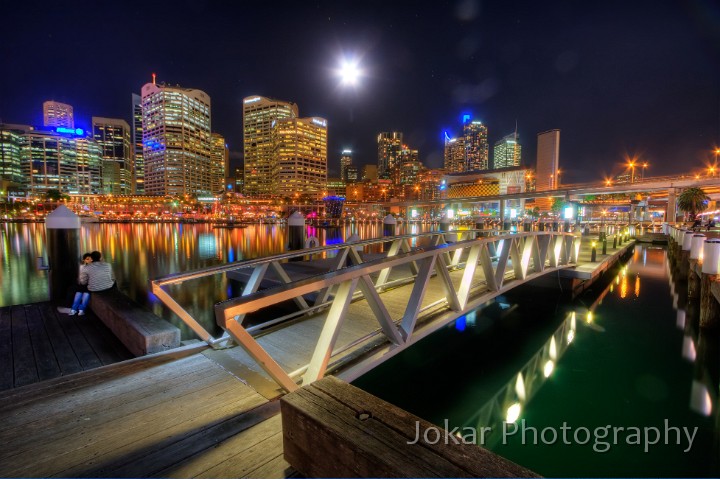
<point>82,295</point>
<point>98,275</point>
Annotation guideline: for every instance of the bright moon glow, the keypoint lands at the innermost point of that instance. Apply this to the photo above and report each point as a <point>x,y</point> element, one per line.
<point>349,73</point>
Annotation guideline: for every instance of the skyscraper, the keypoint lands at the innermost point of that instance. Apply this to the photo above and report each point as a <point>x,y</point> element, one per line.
<point>90,164</point>
<point>454,155</point>
<point>49,162</point>
<point>389,149</point>
<point>507,151</point>
<point>11,142</point>
<point>220,163</point>
<point>113,136</point>
<point>300,153</point>
<point>548,158</point>
<point>259,117</point>
<point>345,161</point>
<point>475,136</point>
<point>58,114</point>
<point>176,140</point>
<point>137,135</point>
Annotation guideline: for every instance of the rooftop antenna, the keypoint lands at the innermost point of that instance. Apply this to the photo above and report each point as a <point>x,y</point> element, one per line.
<point>153,75</point>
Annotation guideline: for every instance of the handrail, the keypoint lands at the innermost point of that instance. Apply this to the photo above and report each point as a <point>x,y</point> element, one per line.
<point>500,259</point>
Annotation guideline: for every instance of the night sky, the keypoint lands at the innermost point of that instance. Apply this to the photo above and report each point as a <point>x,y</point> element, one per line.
<point>618,78</point>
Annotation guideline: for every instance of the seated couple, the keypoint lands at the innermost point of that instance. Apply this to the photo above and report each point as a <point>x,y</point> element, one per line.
<point>95,276</point>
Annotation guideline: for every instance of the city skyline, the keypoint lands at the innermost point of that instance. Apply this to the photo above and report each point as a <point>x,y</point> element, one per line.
<point>617,79</point>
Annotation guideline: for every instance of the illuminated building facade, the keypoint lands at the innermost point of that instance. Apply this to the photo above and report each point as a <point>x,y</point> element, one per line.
<point>176,140</point>
<point>507,152</point>
<point>113,136</point>
<point>259,117</point>
<point>454,155</point>
<point>49,162</point>
<point>137,135</point>
<point>220,163</point>
<point>11,141</point>
<point>477,152</point>
<point>58,114</point>
<point>389,150</point>
<point>548,160</point>
<point>90,166</point>
<point>300,156</point>
<point>352,174</point>
<point>345,162</point>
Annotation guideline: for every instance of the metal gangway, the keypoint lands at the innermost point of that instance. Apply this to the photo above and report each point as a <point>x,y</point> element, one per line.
<point>364,308</point>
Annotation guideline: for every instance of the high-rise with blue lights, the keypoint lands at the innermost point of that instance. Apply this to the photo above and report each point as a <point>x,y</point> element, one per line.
<point>58,114</point>
<point>477,151</point>
<point>259,117</point>
<point>176,140</point>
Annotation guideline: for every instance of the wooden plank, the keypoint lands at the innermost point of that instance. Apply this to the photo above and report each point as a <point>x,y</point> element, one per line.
<point>201,409</point>
<point>102,404</point>
<point>333,429</point>
<point>24,369</point>
<point>86,356</point>
<point>198,450</point>
<point>98,378</point>
<point>6,357</point>
<point>90,326</point>
<point>45,360</point>
<point>277,468</point>
<point>91,445</point>
<point>247,460</point>
<point>65,354</point>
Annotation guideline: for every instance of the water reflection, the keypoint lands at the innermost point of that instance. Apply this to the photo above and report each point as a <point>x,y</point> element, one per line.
<point>139,252</point>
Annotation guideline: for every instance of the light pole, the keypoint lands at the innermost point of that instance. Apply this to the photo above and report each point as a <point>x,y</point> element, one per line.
<point>644,165</point>
<point>632,172</point>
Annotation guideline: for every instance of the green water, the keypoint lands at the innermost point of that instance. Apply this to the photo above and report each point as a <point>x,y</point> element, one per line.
<point>637,363</point>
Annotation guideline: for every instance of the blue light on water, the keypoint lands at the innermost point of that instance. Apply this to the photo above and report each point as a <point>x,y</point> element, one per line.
<point>336,240</point>
<point>231,255</point>
<point>460,324</point>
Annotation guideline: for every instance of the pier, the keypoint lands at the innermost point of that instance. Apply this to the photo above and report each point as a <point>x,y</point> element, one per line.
<point>207,410</point>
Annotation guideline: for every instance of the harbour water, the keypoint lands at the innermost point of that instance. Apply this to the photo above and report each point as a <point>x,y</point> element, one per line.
<point>140,252</point>
<point>576,384</point>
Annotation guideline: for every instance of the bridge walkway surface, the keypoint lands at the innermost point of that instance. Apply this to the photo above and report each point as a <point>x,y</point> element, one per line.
<point>189,412</point>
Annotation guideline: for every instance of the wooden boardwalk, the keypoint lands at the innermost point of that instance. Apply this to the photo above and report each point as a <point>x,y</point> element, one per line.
<point>174,414</point>
<point>184,413</point>
<point>38,343</point>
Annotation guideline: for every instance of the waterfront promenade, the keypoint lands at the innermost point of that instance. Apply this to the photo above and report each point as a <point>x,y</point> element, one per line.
<point>190,412</point>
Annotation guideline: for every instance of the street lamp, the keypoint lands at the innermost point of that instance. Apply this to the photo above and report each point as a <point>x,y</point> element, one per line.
<point>632,171</point>
<point>711,171</point>
<point>644,165</point>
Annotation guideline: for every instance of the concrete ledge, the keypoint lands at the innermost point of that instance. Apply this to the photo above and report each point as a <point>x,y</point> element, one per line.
<point>139,330</point>
<point>333,429</point>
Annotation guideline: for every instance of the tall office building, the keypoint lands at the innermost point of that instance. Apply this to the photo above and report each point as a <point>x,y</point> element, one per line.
<point>408,167</point>
<point>507,151</point>
<point>89,159</point>
<point>49,162</point>
<point>454,155</point>
<point>369,173</point>
<point>300,154</point>
<point>219,163</point>
<point>259,117</point>
<point>345,162</point>
<point>137,141</point>
<point>11,142</point>
<point>548,159</point>
<point>176,140</point>
<point>56,114</point>
<point>475,136</point>
<point>113,135</point>
<point>389,149</point>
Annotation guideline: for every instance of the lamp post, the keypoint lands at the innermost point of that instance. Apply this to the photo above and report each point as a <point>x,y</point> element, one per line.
<point>644,165</point>
<point>632,171</point>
